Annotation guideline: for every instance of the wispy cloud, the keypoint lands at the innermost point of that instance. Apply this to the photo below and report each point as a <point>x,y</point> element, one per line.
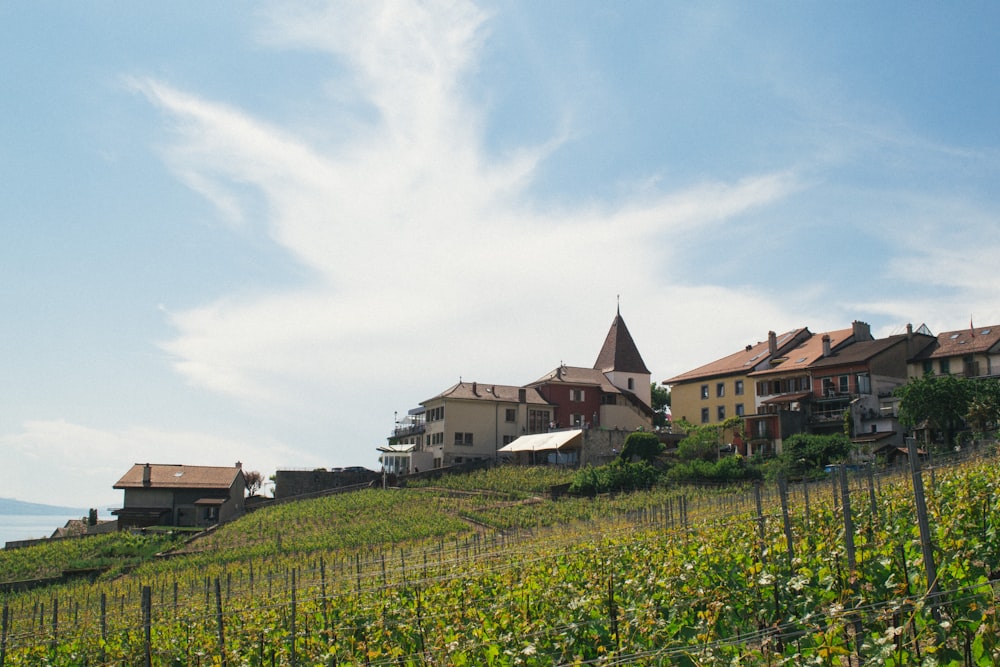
<point>413,232</point>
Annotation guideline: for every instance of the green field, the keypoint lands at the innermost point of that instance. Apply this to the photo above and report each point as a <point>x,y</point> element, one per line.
<point>487,569</point>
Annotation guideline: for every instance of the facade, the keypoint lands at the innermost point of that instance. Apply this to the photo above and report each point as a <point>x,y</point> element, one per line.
<point>712,393</point>
<point>179,495</point>
<point>972,352</point>
<point>472,421</point>
<point>784,388</point>
<point>859,381</point>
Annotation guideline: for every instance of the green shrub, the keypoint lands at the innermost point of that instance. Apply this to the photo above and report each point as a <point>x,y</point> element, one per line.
<point>616,476</point>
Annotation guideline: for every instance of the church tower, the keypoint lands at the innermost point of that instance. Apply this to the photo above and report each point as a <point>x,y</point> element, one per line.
<point>621,362</point>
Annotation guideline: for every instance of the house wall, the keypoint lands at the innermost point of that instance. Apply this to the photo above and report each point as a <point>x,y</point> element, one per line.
<point>560,394</point>
<point>640,384</point>
<point>146,498</point>
<point>686,399</point>
<point>485,420</point>
<point>625,417</point>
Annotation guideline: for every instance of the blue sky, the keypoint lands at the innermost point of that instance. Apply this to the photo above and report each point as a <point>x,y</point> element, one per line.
<point>254,231</point>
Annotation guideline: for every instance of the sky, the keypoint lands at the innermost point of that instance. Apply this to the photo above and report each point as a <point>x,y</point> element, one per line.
<point>257,232</point>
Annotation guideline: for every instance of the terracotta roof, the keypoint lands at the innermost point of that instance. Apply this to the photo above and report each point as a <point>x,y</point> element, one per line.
<point>742,362</point>
<point>803,355</point>
<point>484,391</point>
<point>179,477</point>
<point>619,352</point>
<point>864,351</point>
<point>962,342</point>
<point>578,376</point>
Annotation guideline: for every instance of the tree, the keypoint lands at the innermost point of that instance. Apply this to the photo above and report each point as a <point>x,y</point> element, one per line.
<point>643,445</point>
<point>661,401</point>
<point>940,401</point>
<point>704,441</point>
<point>809,451</point>
<point>984,408</point>
<point>254,481</point>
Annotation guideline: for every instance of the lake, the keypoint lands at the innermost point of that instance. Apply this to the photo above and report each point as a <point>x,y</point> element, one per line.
<point>26,527</point>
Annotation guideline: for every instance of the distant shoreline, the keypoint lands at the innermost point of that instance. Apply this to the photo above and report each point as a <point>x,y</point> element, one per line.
<point>10,506</point>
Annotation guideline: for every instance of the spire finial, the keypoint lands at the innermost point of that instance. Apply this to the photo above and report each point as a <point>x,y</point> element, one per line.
<point>618,298</point>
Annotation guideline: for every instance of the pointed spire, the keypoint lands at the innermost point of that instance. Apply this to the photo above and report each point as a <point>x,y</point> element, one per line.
<point>619,352</point>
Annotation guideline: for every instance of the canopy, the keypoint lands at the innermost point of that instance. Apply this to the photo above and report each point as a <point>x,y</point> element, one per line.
<point>397,449</point>
<point>543,441</point>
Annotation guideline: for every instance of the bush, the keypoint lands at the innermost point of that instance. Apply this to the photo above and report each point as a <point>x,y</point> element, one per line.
<point>729,469</point>
<point>642,445</point>
<point>616,476</point>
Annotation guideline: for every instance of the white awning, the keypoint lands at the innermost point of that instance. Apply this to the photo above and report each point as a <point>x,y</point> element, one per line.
<point>396,449</point>
<point>543,441</point>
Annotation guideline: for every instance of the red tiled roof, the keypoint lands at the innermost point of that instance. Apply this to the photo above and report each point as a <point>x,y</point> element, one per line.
<point>179,477</point>
<point>484,391</point>
<point>962,342</point>
<point>744,361</point>
<point>799,358</point>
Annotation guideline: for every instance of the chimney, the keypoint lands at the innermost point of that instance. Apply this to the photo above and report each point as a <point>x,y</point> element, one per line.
<point>146,475</point>
<point>522,395</point>
<point>826,345</point>
<point>239,464</point>
<point>862,331</point>
<point>772,343</point>
<point>92,517</point>
<point>474,389</point>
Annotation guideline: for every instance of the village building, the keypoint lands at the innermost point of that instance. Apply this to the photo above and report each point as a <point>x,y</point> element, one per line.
<point>972,353</point>
<point>474,421</point>
<point>180,495</point>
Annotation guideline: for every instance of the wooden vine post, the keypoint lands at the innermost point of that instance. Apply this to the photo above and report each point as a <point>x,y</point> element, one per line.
<point>147,625</point>
<point>219,622</point>
<point>783,491</point>
<point>926,546</point>
<point>3,634</point>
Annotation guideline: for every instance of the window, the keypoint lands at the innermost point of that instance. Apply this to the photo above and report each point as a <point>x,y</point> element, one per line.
<point>631,384</point>
<point>864,383</point>
<point>576,395</point>
<point>721,413</point>
<point>704,391</point>
<point>609,399</point>
<point>928,367</point>
<point>507,439</point>
<point>739,409</point>
<point>844,384</point>
<point>538,421</point>
<point>511,414</point>
<point>576,420</point>
<point>945,366</point>
<point>739,388</point>
<point>805,384</point>
<point>463,439</point>
<point>704,415</point>
<point>435,414</point>
<point>720,389</point>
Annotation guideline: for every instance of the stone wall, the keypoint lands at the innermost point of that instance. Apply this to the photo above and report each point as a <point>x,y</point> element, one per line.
<point>289,483</point>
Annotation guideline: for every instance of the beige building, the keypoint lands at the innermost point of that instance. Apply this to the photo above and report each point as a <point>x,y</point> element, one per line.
<point>712,393</point>
<point>972,352</point>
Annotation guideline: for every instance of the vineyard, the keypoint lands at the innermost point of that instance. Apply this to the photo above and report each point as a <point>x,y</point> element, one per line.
<point>492,571</point>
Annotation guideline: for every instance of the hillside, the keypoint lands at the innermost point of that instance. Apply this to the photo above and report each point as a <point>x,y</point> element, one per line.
<point>482,576</point>
<point>21,508</point>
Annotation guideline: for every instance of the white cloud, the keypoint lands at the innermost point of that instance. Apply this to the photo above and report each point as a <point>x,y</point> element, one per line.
<point>423,249</point>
